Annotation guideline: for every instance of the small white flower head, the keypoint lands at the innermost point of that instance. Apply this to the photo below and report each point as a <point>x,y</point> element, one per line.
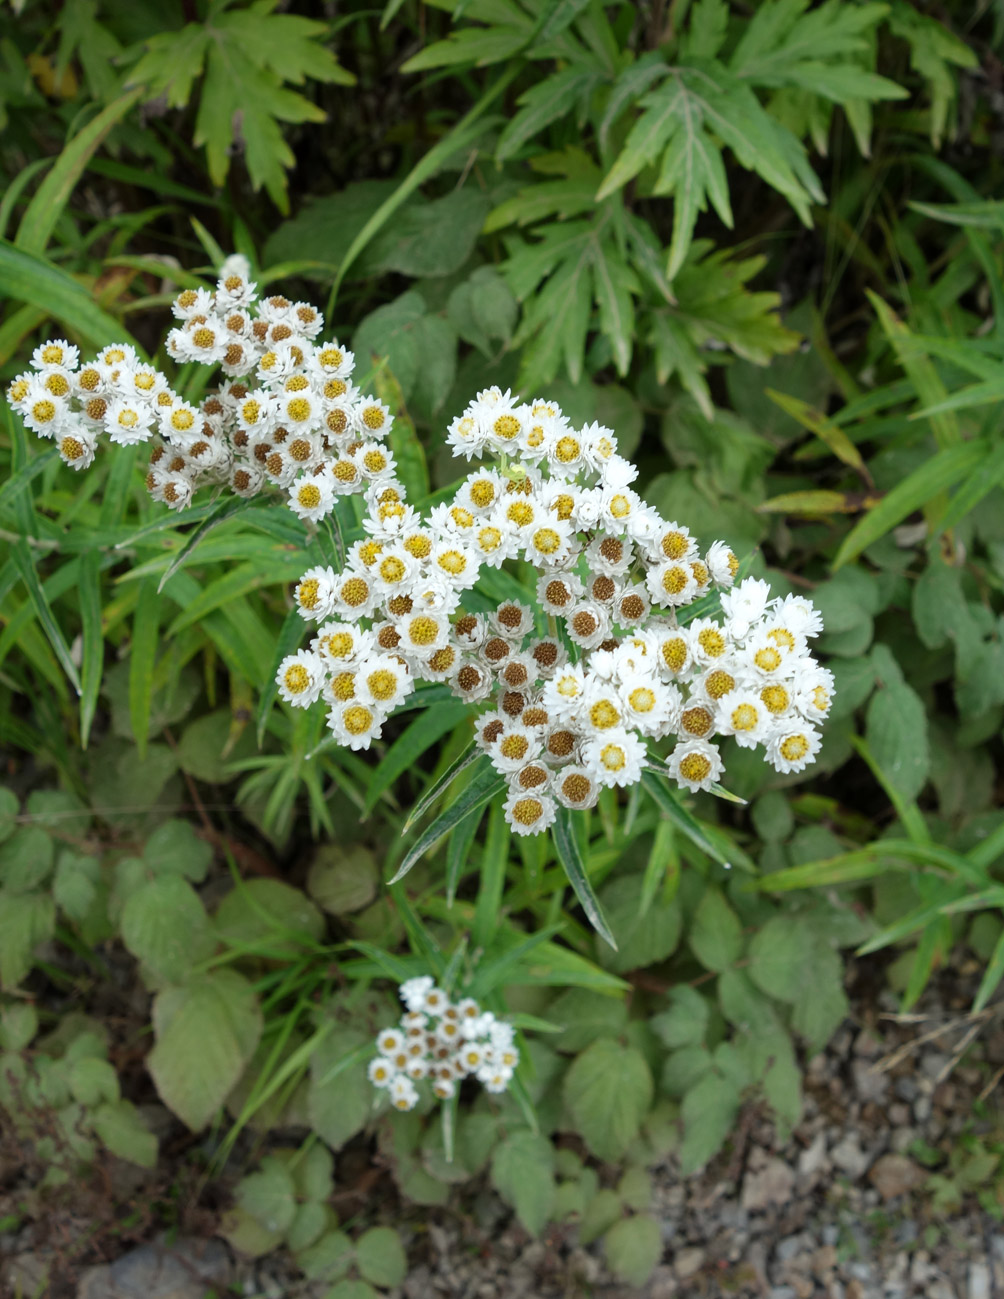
<point>444,1088</point>
<point>55,352</point>
<point>671,584</point>
<point>576,787</point>
<point>708,642</point>
<point>332,360</point>
<point>312,497</point>
<point>745,605</point>
<point>529,813</point>
<point>587,624</point>
<point>192,302</point>
<point>246,479</point>
<point>813,692</point>
<point>356,725</point>
<point>373,418</point>
<point>563,694</point>
<point>76,447</point>
<point>176,491</point>
<point>403,1093</point>
<point>414,993</point>
<point>695,765</point>
<point>355,595</point>
<point>514,748</point>
<point>495,1080</point>
<point>315,593</point>
<point>380,1072</point>
<point>300,678</point>
<point>512,620</point>
<point>722,564</point>
<point>615,757</point>
<point>674,653</point>
<point>800,614</point>
<point>792,748</point>
<point>558,592</point>
<point>383,681</point>
<point>42,411</point>
<point>743,713</point>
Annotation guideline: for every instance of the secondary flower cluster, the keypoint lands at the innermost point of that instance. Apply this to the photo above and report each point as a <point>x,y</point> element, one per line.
<point>444,1043</point>
<point>575,707</point>
<point>288,414</point>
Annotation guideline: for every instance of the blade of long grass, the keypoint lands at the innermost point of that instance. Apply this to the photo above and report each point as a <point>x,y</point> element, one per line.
<point>290,635</point>
<point>458,852</point>
<point>21,555</point>
<point>409,746</point>
<point>52,196</point>
<point>20,481</point>
<point>142,656</point>
<point>223,509</point>
<point>670,806</point>
<point>30,279</point>
<point>469,755</point>
<point>485,785</point>
<point>92,640</point>
<point>492,882</point>
<point>566,847</point>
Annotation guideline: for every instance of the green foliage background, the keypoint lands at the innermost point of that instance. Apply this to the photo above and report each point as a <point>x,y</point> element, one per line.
<point>757,244</point>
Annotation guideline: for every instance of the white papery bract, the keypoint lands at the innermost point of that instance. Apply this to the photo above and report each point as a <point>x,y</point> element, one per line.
<point>631,639</point>
<point>442,1042</point>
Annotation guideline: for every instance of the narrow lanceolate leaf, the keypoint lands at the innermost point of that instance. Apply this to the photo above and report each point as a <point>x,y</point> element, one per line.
<point>485,786</point>
<point>290,635</point>
<point>409,746</point>
<point>869,862</point>
<point>142,656</point>
<point>920,369</point>
<point>936,475</point>
<point>52,196</point>
<point>991,977</point>
<point>469,755</point>
<point>23,561</point>
<point>224,509</point>
<point>825,429</point>
<point>669,804</point>
<point>31,279</point>
<point>19,482</point>
<point>819,501</point>
<point>92,641</point>
<point>567,848</point>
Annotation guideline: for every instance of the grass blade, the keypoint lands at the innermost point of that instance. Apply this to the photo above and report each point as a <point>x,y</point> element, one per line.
<point>409,746</point>
<point>469,755</point>
<point>142,655</point>
<point>936,475</point>
<point>92,640</point>
<point>30,279</point>
<point>290,635</point>
<point>52,196</point>
<point>25,475</point>
<point>567,848</point>
<point>670,806</point>
<point>485,785</point>
<point>25,565</point>
<point>224,509</point>
<point>458,852</point>
<point>492,882</point>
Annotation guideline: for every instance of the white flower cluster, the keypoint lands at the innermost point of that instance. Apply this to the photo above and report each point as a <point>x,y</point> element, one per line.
<point>573,710</point>
<point>443,1042</point>
<point>288,414</point>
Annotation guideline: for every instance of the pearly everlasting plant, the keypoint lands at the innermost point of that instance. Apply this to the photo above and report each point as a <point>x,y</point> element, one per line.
<point>442,1043</point>
<point>634,650</point>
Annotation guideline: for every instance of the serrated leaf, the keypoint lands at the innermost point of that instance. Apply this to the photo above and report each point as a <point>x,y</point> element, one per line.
<point>522,1171</point>
<point>544,103</point>
<point>380,1257</point>
<point>608,1091</point>
<point>121,1128</point>
<point>633,1247</point>
<point>165,926</point>
<point>206,1031</point>
<point>709,1111</point>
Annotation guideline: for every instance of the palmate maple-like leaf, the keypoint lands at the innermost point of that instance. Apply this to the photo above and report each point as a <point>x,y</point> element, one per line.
<point>244,57</point>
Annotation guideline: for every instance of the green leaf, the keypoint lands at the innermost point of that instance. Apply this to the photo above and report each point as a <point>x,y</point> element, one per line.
<point>75,887</point>
<point>716,935</point>
<point>121,1128</point>
<point>50,199</point>
<point>585,1016</point>
<point>27,278</point>
<point>896,731</point>
<point>270,915</point>
<point>206,1031</point>
<point>142,658</point>
<point>93,1080</point>
<point>91,638</point>
<point>704,836</point>
<point>328,1258</point>
<point>25,565</point>
<point>485,785</point>
<point>425,731</point>
<point>633,1247</point>
<point>339,1100</point>
<point>9,808</point>
<point>543,104</point>
<point>26,859</point>
<point>793,962</point>
<point>175,848</point>
<point>380,1257</point>
<point>245,57</point>
<point>165,926</point>
<point>933,477</point>
<point>709,1112</point>
<point>608,1091</point>
<point>343,879</point>
<point>686,1021</point>
<point>269,1195</point>
<point>566,847</point>
<point>26,920</point>
<point>642,939</point>
<point>522,1171</point>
